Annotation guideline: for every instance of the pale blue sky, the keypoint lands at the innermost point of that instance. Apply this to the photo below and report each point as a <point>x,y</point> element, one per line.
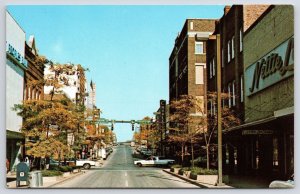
<point>126,49</point>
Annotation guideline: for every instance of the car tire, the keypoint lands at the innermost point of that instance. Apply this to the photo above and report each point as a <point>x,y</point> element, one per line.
<point>86,166</point>
<point>139,164</point>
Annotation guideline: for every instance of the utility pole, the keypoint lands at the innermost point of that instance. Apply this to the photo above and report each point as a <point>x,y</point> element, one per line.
<point>219,115</point>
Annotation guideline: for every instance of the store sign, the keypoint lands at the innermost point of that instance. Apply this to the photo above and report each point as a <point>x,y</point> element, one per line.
<point>257,132</point>
<point>12,51</point>
<point>270,69</point>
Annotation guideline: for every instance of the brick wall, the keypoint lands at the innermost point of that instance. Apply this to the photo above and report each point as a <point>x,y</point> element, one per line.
<point>276,27</point>
<point>251,13</point>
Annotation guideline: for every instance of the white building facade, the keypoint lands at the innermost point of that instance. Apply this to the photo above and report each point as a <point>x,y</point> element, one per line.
<point>16,66</point>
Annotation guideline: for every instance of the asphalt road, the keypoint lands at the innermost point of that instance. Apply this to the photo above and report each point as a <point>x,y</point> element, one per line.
<point>119,171</point>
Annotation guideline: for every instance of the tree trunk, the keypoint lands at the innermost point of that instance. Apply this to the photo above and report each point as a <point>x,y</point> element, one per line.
<point>207,156</point>
<point>182,153</point>
<point>192,147</point>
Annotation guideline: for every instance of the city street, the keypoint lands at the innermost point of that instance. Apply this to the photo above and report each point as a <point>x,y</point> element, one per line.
<point>119,171</point>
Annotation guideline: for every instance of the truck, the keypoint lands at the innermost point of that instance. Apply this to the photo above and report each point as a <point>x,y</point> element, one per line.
<point>85,163</point>
<point>154,161</point>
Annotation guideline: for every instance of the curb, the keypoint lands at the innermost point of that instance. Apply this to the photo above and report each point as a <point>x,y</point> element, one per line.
<point>195,182</point>
<point>63,180</point>
<point>186,179</point>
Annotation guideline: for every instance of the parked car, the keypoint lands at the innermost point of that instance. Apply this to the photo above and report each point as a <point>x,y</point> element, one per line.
<point>154,161</point>
<point>85,163</point>
<point>283,184</point>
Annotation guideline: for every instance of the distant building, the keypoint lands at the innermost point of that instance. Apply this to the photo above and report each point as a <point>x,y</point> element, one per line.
<point>73,83</point>
<point>16,66</point>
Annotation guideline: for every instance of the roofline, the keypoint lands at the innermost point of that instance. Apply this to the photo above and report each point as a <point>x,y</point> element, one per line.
<point>16,22</point>
<point>270,8</point>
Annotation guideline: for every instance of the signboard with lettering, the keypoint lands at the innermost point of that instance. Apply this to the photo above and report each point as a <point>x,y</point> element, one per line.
<point>271,68</point>
<point>257,132</point>
<point>13,52</point>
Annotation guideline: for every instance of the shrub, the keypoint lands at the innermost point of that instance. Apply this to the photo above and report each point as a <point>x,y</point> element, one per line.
<point>65,168</point>
<point>176,166</point>
<point>48,173</point>
<point>204,171</point>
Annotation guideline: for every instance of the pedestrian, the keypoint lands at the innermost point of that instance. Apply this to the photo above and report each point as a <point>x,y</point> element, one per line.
<point>7,165</point>
<point>27,161</point>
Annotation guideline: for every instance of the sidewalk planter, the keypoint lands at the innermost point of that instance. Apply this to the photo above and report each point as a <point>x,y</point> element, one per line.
<point>181,171</point>
<point>175,170</point>
<point>66,174</point>
<point>208,179</point>
<point>52,178</point>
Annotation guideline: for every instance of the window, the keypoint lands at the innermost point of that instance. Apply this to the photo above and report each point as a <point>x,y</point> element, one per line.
<point>28,95</point>
<point>192,25</point>
<point>211,107</point>
<point>229,95</point>
<point>199,74</point>
<point>223,100</point>
<point>25,93</point>
<point>242,88</point>
<point>232,47</point>
<point>222,57</point>
<point>210,69</point>
<point>241,40</point>
<point>199,48</point>
<point>228,50</point>
<point>233,93</point>
<point>213,66</point>
<point>214,106</point>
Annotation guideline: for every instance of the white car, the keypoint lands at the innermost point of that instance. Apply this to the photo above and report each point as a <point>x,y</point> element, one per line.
<point>85,163</point>
<point>283,184</point>
<point>154,161</point>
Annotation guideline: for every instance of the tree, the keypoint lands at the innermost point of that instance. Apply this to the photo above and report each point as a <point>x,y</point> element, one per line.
<point>229,119</point>
<point>184,122</point>
<point>50,122</point>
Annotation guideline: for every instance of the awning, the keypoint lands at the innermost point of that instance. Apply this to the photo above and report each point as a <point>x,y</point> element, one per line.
<point>14,135</point>
<point>277,114</point>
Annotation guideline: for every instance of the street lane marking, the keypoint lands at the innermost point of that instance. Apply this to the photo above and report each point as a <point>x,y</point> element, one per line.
<point>126,183</point>
<point>125,173</point>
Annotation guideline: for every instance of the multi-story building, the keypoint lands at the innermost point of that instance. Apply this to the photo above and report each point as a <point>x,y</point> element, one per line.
<point>267,137</point>
<point>34,75</point>
<point>16,66</point>
<point>187,62</point>
<point>231,27</point>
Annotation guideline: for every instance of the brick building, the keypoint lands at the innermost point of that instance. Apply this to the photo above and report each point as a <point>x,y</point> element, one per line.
<point>231,27</point>
<point>268,133</point>
<point>187,62</point>
<point>34,73</point>
<point>253,53</point>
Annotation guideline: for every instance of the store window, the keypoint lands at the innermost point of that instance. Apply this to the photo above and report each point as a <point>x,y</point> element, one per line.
<point>275,152</point>
<point>199,48</point>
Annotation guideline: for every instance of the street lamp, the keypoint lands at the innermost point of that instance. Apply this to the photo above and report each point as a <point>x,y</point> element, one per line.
<point>220,169</point>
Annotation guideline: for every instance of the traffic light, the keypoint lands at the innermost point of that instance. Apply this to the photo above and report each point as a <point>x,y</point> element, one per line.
<point>132,126</point>
<point>112,126</point>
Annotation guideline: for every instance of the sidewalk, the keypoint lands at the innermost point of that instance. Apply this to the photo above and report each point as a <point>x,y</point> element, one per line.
<point>241,182</point>
<point>47,181</point>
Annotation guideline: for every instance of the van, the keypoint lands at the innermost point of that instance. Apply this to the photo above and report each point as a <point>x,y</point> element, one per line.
<point>103,153</point>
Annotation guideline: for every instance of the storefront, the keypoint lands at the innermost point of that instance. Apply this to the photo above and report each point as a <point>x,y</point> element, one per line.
<point>264,145</point>
<point>16,66</point>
